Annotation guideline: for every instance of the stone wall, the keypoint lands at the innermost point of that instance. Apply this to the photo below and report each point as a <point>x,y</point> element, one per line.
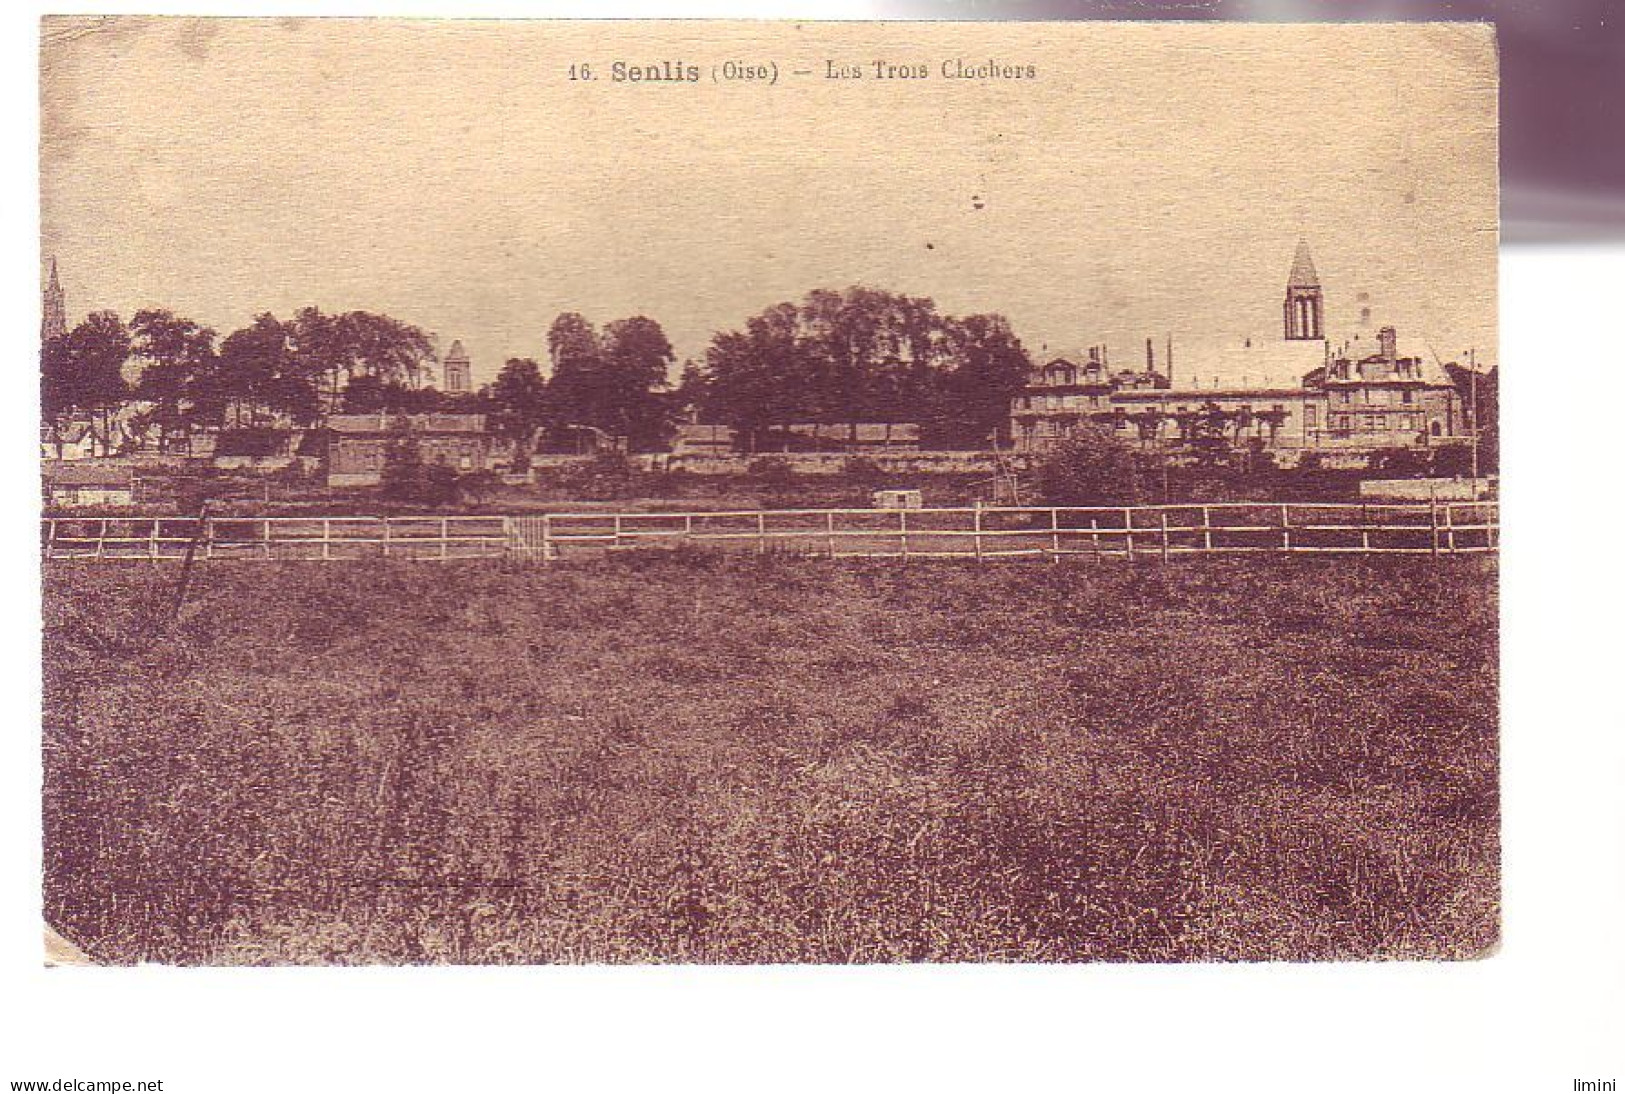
<point>830,463</point>
<point>1437,489</point>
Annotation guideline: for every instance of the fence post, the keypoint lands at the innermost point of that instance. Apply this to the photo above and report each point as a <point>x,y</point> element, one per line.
<point>1286,531</point>
<point>1094,536</point>
<point>1163,514</point>
<point>1055,534</point>
<point>1433,525</point>
<point>327,540</point>
<point>1207,530</point>
<point>1450,527</point>
<point>386,537</point>
<point>445,542</point>
<point>688,525</point>
<point>152,540</point>
<point>208,537</point>
<point>1128,530</point>
<point>101,538</point>
<point>829,531</point>
<point>547,537</point>
<point>976,530</point>
<point>761,532</point>
<point>902,531</point>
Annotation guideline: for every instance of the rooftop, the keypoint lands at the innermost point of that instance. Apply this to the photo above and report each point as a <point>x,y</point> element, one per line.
<point>87,473</point>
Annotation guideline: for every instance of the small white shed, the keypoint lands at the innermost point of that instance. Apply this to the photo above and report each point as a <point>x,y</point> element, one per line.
<point>896,499</point>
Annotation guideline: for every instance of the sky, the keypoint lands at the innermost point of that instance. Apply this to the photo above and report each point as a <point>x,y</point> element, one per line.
<point>1151,180</point>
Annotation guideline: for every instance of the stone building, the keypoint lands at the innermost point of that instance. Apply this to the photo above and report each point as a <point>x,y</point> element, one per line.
<point>357,444</point>
<point>89,485</point>
<point>1294,395</point>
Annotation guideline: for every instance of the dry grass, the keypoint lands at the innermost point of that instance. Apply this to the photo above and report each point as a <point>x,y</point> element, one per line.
<point>693,758</point>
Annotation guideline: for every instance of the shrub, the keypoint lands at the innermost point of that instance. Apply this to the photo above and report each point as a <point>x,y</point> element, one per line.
<point>407,478</point>
<point>1400,463</point>
<point>1454,461</point>
<point>1093,467</point>
<point>772,471</point>
<point>1257,458</point>
<point>863,469</point>
<point>478,486</point>
<point>605,476</point>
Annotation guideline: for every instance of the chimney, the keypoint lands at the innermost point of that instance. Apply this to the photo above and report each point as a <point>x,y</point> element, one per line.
<point>1150,357</point>
<point>1169,358</point>
<point>1389,341</point>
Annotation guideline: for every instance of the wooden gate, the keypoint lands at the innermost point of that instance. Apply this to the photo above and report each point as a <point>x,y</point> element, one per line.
<point>531,538</point>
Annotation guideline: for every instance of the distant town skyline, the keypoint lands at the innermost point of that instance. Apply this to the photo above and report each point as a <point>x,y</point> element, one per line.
<point>451,175</point>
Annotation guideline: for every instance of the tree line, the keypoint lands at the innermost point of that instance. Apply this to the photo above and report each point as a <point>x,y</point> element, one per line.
<point>188,379</point>
<point>861,355</point>
<point>835,358</point>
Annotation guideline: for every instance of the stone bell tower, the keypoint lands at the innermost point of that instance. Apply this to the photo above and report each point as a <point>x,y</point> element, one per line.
<point>455,370</point>
<point>1303,310</point>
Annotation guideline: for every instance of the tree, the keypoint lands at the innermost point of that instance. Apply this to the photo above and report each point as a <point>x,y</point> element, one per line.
<point>406,477</point>
<point>260,376</point>
<point>81,373</point>
<point>1207,432</point>
<point>381,346</point>
<point>690,395</point>
<point>863,355</point>
<point>1093,467</point>
<point>989,366</point>
<point>368,394</point>
<point>519,402</point>
<point>1480,395</point>
<point>845,339</point>
<point>614,382</point>
<point>178,372</point>
<point>636,357</point>
<point>333,351</point>
<point>57,395</point>
<point>758,379</point>
<point>324,353</point>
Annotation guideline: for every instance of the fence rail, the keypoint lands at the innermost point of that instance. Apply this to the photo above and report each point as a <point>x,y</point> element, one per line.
<point>291,538</point>
<point>980,533</point>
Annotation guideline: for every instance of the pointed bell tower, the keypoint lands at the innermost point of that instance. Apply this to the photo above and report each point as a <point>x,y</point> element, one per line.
<point>1303,310</point>
<point>54,310</point>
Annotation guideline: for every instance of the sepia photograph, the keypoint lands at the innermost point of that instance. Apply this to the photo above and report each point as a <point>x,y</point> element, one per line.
<point>734,493</point>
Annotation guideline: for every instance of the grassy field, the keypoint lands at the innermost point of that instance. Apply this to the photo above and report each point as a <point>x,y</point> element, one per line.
<point>697,758</point>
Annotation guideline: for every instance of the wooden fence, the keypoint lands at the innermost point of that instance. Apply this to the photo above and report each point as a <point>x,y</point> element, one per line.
<point>982,533</point>
<point>1023,532</point>
<point>292,538</point>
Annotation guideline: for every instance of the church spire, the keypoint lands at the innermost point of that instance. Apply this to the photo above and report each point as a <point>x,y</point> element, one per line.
<point>1303,312</point>
<point>54,309</point>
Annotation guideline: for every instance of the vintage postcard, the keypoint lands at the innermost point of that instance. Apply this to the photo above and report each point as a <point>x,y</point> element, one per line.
<point>523,492</point>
